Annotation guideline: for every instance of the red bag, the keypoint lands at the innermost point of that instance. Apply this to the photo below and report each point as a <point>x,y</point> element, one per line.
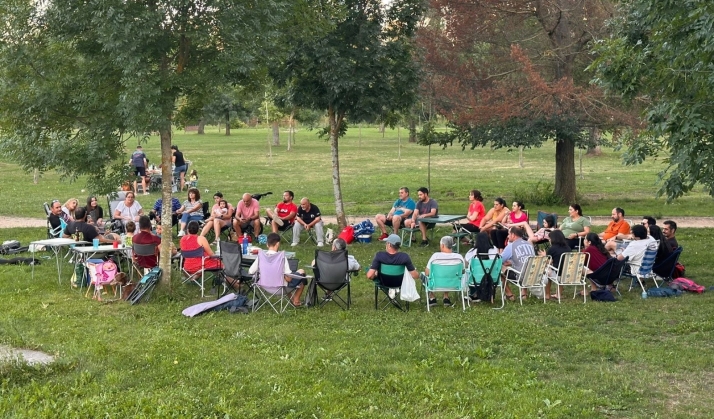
<point>687,285</point>
<point>347,234</point>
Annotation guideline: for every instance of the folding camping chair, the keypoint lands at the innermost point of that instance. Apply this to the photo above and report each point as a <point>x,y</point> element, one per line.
<point>150,252</point>
<point>201,273</point>
<point>269,286</point>
<point>531,275</point>
<point>145,286</point>
<point>53,233</point>
<point>600,277</point>
<point>665,269</point>
<point>113,201</point>
<point>389,281</point>
<point>570,272</point>
<point>332,276</point>
<point>482,265</point>
<point>644,270</point>
<point>445,278</point>
<point>234,275</point>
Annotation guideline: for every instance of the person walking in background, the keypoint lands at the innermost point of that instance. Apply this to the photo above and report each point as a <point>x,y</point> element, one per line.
<point>179,166</point>
<point>138,162</point>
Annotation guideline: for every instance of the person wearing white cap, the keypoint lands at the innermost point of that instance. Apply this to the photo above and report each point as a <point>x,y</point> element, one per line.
<point>392,256</point>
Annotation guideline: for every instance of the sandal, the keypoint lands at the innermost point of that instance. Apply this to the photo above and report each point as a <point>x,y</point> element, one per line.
<point>511,297</point>
<point>554,296</point>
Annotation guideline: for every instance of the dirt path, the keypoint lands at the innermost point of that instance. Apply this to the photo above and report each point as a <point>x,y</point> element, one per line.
<point>697,222</point>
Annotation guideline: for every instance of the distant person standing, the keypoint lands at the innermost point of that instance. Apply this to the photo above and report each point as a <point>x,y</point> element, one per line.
<point>139,162</point>
<point>179,166</point>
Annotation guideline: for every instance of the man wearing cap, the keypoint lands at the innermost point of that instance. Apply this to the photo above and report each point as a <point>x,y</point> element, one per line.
<point>138,161</point>
<point>445,256</point>
<point>391,256</point>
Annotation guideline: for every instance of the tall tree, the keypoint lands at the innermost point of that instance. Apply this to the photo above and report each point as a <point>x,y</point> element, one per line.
<point>509,73</point>
<point>361,68</point>
<point>80,78</point>
<point>660,56</point>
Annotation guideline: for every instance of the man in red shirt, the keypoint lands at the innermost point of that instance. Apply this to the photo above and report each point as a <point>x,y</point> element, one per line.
<point>145,236</point>
<point>284,215</point>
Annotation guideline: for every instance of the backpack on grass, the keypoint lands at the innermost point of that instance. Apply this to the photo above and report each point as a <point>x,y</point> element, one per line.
<point>486,289</point>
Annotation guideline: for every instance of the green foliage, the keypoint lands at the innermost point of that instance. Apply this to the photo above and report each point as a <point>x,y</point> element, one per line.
<point>539,194</point>
<point>362,67</point>
<point>661,54</point>
<point>81,80</point>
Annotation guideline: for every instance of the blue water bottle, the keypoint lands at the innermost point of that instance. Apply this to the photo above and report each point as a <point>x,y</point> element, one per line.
<point>245,243</point>
<point>644,294</point>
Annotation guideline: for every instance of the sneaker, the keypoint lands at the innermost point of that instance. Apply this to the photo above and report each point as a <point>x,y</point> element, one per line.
<point>146,193</point>
<point>278,221</point>
<point>320,244</point>
<point>181,233</point>
<point>392,293</point>
<point>383,236</point>
<point>432,302</point>
<point>447,302</point>
<point>424,243</point>
<point>293,244</point>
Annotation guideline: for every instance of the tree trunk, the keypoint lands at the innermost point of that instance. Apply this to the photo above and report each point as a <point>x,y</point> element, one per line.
<point>412,130</point>
<point>291,130</point>
<point>594,145</point>
<point>166,176</point>
<point>228,123</point>
<point>335,121</point>
<point>201,127</point>
<point>565,169</point>
<point>276,133</point>
<point>382,128</point>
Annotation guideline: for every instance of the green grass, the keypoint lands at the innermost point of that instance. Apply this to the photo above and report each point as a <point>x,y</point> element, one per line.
<point>633,358</point>
<point>373,169</point>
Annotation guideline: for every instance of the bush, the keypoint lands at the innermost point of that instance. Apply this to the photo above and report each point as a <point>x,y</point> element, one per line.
<point>539,194</point>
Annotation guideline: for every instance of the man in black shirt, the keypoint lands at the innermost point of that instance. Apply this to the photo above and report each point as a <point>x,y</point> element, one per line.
<point>56,215</point>
<point>86,231</point>
<point>308,217</point>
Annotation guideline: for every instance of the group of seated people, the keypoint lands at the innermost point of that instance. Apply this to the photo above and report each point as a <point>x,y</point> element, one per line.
<point>508,233</point>
<point>245,216</point>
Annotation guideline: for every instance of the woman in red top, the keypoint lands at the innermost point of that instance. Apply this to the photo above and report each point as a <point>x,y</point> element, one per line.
<point>476,212</point>
<point>193,241</point>
<point>597,252</point>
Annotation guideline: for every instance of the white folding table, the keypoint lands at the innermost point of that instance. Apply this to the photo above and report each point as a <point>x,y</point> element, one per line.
<point>55,245</point>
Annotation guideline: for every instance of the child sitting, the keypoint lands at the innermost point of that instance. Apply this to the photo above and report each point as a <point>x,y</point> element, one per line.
<point>193,179</point>
<point>543,234</point>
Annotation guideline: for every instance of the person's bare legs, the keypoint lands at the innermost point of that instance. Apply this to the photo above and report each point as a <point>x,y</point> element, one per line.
<point>256,227</point>
<point>381,219</point>
<point>206,228</point>
<point>217,226</point>
<point>396,222</point>
<point>422,228</point>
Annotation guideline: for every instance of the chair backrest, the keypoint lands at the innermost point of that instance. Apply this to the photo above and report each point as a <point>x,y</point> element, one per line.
<point>113,201</point>
<point>617,268</point>
<point>148,252</point>
<point>541,217</point>
<point>232,257</point>
<point>46,206</point>
<point>391,275</point>
<point>271,270</point>
<point>572,267</point>
<point>533,270</point>
<point>206,210</point>
<point>602,274</point>
<point>648,261</point>
<point>665,269</point>
<point>331,268</point>
<point>478,268</point>
<point>443,277</point>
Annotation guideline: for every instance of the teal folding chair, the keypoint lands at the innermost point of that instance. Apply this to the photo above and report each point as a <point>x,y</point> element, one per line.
<point>445,278</point>
<point>389,279</point>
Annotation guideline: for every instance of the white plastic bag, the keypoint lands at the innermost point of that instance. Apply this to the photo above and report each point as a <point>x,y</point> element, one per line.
<point>408,291</point>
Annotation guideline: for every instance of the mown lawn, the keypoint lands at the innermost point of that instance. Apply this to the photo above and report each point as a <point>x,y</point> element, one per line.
<point>634,358</point>
<point>373,168</point>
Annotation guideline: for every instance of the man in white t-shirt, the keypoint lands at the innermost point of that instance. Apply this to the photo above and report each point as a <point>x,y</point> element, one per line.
<point>445,256</point>
<point>637,248</point>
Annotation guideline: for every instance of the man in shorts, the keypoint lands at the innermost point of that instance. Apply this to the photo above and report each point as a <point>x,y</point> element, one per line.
<point>138,161</point>
<point>425,208</point>
<point>283,216</point>
<point>401,210</point>
<point>297,283</point>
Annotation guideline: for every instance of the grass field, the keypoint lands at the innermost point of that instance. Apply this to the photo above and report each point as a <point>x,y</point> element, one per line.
<point>631,359</point>
<point>372,170</point>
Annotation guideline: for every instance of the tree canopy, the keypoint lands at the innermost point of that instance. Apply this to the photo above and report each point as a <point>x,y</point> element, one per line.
<point>510,74</point>
<point>361,68</point>
<point>81,79</point>
<point>661,56</point>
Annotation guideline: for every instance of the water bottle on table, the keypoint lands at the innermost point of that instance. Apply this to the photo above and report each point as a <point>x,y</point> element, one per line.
<point>245,243</point>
